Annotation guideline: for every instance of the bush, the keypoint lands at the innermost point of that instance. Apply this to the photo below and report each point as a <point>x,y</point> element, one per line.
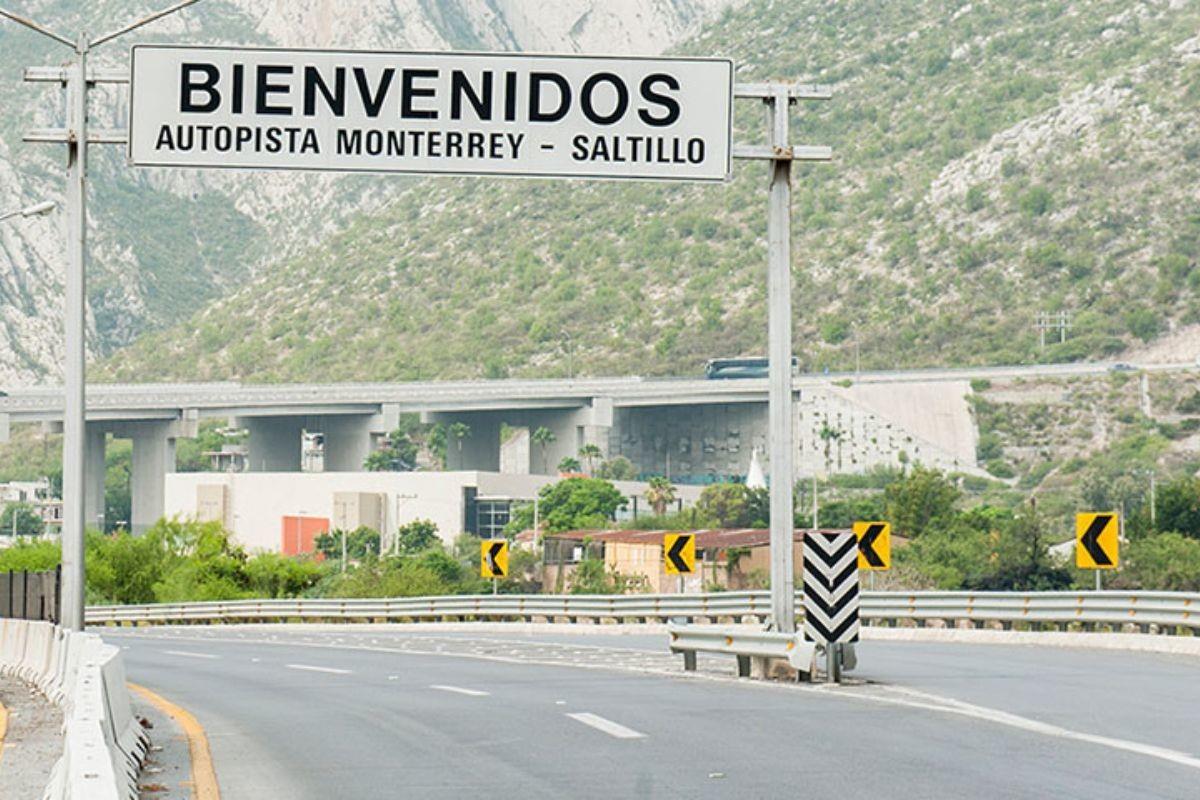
<point>26,555</point>
<point>1036,202</point>
<point>1168,562</point>
<point>1143,323</point>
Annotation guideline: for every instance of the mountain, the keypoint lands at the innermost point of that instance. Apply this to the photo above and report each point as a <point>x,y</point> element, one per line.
<point>165,244</point>
<point>994,160</point>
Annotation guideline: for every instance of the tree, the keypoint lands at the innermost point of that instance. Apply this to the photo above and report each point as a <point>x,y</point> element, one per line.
<point>20,519</point>
<point>617,469</point>
<point>660,494</point>
<point>417,536</point>
<point>725,504</point>
<point>543,437</point>
<point>571,504</point>
<point>459,431</point>
<point>590,454</point>
<point>1168,562</point>
<point>1022,562</point>
<point>568,466</point>
<point>398,453</point>
<point>923,499</point>
<point>1178,507</point>
<point>829,435</point>
<point>360,543</point>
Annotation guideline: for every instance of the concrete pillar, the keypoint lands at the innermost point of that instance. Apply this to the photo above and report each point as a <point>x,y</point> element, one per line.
<point>572,428</point>
<point>480,450</point>
<point>153,458</point>
<point>95,468</point>
<point>347,442</point>
<point>274,443</point>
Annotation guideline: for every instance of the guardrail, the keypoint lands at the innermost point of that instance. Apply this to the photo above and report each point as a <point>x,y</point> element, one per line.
<point>103,746</point>
<point>743,642</point>
<point>1167,612</point>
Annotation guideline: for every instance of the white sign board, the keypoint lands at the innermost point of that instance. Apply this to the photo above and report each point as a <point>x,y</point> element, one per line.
<point>431,113</point>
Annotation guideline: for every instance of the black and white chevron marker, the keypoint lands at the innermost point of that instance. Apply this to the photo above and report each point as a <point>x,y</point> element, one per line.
<point>830,587</point>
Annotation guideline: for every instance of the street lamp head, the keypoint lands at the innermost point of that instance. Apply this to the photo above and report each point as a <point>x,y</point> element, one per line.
<point>41,209</point>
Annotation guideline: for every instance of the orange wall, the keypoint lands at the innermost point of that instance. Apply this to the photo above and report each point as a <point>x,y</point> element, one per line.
<point>299,534</point>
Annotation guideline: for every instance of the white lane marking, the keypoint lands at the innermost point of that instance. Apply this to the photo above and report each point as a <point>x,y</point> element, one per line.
<point>329,670</point>
<point>187,654</point>
<point>949,705</point>
<point>459,690</point>
<point>613,729</point>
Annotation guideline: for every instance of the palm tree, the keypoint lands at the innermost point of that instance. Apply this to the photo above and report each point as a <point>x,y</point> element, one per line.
<point>568,466</point>
<point>590,453</point>
<point>830,435</point>
<point>459,431</point>
<point>660,494</point>
<point>544,437</point>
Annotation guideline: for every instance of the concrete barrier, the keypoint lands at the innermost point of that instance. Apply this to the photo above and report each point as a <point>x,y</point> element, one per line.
<point>103,745</point>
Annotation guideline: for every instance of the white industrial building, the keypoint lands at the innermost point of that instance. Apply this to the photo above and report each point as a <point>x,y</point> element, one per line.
<point>282,511</point>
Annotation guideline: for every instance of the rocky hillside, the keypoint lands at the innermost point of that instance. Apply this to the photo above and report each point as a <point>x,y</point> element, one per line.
<point>995,159</point>
<point>165,244</point>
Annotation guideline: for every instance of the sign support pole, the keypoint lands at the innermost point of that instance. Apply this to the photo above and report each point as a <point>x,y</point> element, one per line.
<point>75,369</point>
<point>780,153</point>
<point>78,81</point>
<point>779,246</point>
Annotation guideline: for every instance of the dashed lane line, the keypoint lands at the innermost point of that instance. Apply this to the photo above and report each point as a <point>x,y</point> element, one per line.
<point>188,654</point>
<point>327,670</point>
<point>460,690</point>
<point>614,729</point>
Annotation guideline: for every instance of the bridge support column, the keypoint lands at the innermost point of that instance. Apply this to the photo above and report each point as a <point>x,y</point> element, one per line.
<point>347,442</point>
<point>95,468</point>
<point>572,429</point>
<point>274,443</point>
<point>479,450</point>
<point>153,458</point>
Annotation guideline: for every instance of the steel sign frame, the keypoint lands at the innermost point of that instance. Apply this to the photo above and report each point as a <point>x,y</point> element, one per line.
<point>727,131</point>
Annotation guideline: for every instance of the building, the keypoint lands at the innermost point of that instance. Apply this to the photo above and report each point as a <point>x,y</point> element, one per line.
<point>284,512</point>
<point>38,495</point>
<point>725,558</point>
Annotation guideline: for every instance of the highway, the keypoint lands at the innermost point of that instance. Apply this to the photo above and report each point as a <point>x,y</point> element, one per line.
<point>167,401</point>
<point>387,712</point>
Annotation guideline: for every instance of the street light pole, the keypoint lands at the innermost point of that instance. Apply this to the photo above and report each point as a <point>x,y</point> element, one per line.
<point>75,305</point>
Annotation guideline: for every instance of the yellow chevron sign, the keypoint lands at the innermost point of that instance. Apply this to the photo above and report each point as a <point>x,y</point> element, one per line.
<point>1097,540</point>
<point>679,553</point>
<point>493,558</point>
<point>874,545</point>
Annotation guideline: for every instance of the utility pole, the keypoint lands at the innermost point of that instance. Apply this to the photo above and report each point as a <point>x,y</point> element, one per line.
<point>78,80</point>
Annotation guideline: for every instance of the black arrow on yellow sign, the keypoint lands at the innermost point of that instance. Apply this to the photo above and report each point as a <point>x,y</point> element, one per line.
<point>866,545</point>
<point>494,553</point>
<point>681,555</point>
<point>1091,540</point>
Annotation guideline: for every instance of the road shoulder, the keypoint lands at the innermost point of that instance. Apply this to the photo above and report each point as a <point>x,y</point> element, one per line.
<point>180,762</point>
<point>31,741</point>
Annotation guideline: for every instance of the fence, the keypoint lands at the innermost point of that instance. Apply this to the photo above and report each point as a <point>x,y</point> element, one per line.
<point>1166,612</point>
<point>31,595</point>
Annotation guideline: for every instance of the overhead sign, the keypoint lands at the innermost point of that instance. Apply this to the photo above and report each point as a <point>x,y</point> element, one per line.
<point>874,545</point>
<point>431,113</point>
<point>493,558</point>
<point>831,596</point>
<point>679,553</point>
<point>1097,541</point>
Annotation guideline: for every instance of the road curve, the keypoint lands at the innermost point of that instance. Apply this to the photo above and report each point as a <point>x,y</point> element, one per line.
<point>384,713</point>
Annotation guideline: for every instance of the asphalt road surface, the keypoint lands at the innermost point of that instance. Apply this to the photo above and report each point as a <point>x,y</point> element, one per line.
<point>347,712</point>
